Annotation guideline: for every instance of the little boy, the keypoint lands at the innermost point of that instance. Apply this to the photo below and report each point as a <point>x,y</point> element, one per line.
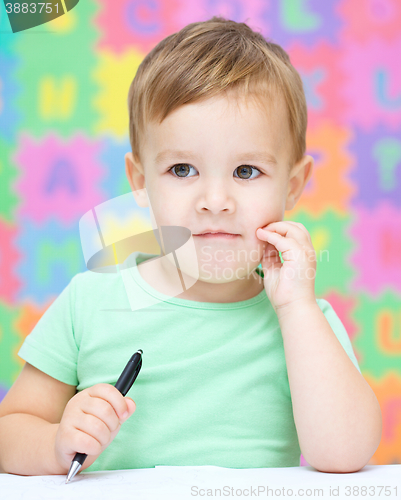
<point>246,368</point>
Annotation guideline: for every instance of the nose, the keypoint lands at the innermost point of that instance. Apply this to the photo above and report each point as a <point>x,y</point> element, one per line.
<point>216,198</point>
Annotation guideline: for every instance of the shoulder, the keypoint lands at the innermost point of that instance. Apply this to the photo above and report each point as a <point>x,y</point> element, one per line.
<point>332,317</point>
<point>91,278</point>
<point>93,286</point>
<point>100,280</point>
<point>338,328</point>
<point>324,305</point>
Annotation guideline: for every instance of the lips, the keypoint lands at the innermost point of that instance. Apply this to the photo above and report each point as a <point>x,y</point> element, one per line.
<point>215,231</point>
<point>217,236</point>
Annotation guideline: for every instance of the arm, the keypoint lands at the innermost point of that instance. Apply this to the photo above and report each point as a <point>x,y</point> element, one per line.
<point>29,419</point>
<point>336,413</point>
<point>27,445</point>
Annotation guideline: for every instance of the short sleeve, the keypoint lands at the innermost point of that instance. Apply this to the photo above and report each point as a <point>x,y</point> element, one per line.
<point>51,346</point>
<point>338,329</point>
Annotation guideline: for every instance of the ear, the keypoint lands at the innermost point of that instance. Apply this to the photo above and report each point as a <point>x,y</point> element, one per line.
<point>298,178</point>
<point>136,178</point>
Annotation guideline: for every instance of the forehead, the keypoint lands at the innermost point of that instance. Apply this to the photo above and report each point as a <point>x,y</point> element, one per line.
<point>229,119</point>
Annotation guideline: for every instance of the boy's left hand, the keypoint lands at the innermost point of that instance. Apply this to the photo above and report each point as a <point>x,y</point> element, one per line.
<point>294,280</point>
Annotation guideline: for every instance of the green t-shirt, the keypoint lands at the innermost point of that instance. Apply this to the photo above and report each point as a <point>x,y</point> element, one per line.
<point>213,388</point>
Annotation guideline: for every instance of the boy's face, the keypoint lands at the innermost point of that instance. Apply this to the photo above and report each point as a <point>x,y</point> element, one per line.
<point>209,186</point>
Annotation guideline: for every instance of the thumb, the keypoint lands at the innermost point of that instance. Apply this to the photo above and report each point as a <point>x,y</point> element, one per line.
<point>131,405</point>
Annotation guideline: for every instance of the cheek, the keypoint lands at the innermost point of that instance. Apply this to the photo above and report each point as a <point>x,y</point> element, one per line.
<point>265,207</point>
<point>170,211</point>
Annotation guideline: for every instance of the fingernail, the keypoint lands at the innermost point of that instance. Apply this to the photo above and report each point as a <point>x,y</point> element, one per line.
<point>124,415</point>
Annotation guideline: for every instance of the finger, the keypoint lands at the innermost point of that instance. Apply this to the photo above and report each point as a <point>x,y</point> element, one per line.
<point>103,410</point>
<point>273,258</point>
<point>262,235</point>
<point>288,230</point>
<point>93,427</point>
<point>131,404</point>
<point>112,395</point>
<point>283,244</point>
<point>270,250</point>
<point>82,442</point>
<point>301,226</point>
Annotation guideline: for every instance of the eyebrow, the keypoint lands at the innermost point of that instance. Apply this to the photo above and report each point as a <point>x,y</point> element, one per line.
<point>182,155</point>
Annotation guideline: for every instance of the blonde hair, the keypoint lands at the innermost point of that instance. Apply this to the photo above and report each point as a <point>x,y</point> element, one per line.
<point>205,59</point>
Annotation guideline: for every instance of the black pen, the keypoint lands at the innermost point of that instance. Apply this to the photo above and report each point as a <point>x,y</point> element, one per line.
<point>123,384</point>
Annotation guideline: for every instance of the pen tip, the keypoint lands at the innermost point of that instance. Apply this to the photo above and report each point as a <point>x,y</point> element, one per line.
<point>140,350</point>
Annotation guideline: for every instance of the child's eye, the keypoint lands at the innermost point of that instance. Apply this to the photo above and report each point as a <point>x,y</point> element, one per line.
<point>181,169</point>
<point>245,169</point>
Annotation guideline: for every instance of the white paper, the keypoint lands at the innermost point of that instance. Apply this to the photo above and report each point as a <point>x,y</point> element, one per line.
<point>176,483</point>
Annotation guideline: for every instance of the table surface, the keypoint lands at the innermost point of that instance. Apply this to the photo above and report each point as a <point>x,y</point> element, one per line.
<point>170,482</point>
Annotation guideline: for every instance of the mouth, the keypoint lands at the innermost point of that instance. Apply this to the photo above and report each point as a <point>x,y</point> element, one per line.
<point>217,235</point>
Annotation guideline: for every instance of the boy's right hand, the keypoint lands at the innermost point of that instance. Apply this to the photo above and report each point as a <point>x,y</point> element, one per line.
<point>90,422</point>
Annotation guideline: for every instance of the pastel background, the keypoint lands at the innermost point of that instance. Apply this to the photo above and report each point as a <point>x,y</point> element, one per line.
<point>64,133</point>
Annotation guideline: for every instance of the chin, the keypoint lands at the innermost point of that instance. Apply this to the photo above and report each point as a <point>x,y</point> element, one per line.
<point>222,275</point>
